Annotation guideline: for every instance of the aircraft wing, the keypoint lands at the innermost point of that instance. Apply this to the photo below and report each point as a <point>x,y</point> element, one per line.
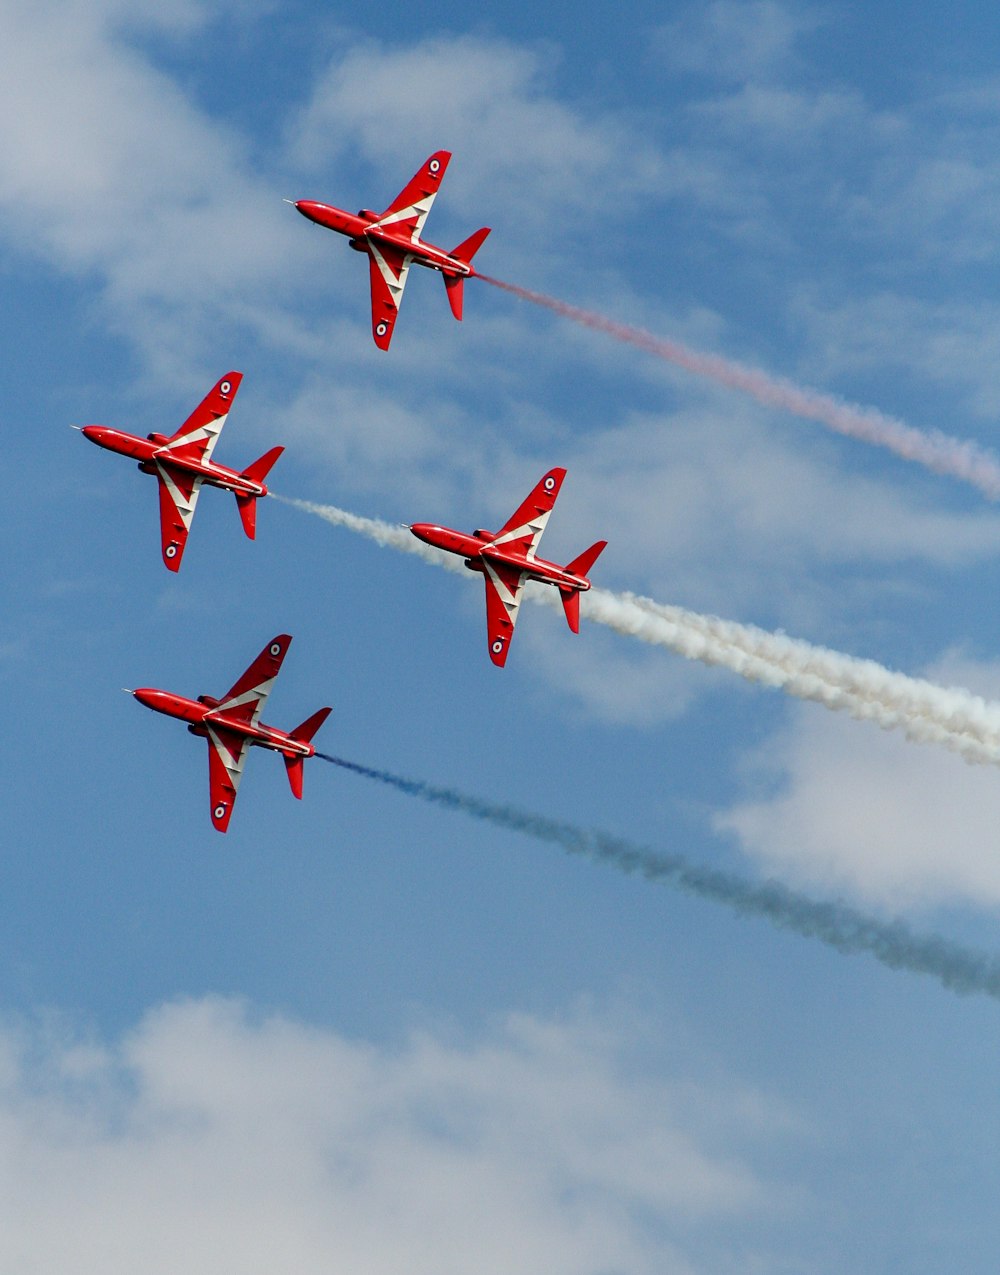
<point>227,755</point>
<point>504,586</point>
<point>408,211</point>
<point>196,438</point>
<point>523,530</point>
<point>246,699</point>
<point>178,497</point>
<point>389,269</point>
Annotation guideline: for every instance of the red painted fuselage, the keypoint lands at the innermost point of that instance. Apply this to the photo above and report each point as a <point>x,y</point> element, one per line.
<point>203,712</point>
<point>480,547</point>
<point>363,229</point>
<point>392,241</point>
<point>153,450</point>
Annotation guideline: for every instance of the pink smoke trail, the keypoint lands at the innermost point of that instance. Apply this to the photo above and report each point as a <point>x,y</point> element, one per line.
<point>933,449</point>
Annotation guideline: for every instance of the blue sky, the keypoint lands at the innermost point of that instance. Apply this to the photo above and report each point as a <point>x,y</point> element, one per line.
<point>358,1031</point>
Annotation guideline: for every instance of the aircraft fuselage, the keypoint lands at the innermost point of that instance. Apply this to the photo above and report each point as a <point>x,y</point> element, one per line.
<point>479,548</point>
<point>152,450</point>
<point>202,713</point>
<point>364,232</point>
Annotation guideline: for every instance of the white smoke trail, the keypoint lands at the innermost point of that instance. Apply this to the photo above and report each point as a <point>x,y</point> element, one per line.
<point>933,449</point>
<point>922,710</point>
<point>841,927</point>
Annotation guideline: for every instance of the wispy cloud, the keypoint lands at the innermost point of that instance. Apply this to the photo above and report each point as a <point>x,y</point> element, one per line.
<point>836,810</point>
<point>212,1136</point>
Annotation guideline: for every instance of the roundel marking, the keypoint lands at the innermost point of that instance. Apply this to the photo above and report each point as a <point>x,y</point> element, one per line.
<point>171,550</point>
<point>434,165</point>
<point>275,648</point>
<point>225,387</point>
<point>381,328</point>
<point>550,482</point>
<point>219,811</point>
<point>497,646</point>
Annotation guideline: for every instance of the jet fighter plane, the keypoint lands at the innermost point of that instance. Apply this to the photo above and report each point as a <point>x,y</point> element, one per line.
<point>507,559</point>
<point>232,726</point>
<point>183,462</point>
<point>392,241</point>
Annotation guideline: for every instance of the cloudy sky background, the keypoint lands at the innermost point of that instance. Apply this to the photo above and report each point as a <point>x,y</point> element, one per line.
<point>360,1032</point>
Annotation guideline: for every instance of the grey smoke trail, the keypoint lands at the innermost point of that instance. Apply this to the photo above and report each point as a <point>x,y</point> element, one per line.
<point>933,449</point>
<point>923,711</point>
<point>839,926</point>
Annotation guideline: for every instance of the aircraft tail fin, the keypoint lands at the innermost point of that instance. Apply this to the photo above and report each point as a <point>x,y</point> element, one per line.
<point>464,253</point>
<point>294,767</point>
<point>571,605</point>
<point>261,467</point>
<point>453,283</point>
<point>468,248</point>
<point>303,734</point>
<point>247,506</point>
<point>580,566</point>
<point>310,726</point>
<point>256,472</point>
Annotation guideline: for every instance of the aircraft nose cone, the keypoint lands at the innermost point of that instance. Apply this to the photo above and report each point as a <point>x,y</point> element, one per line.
<point>158,701</point>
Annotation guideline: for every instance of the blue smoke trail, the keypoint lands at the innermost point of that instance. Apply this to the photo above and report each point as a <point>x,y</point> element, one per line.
<point>960,969</point>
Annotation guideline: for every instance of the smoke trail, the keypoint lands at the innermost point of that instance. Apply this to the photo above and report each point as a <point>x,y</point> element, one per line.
<point>933,449</point>
<point>839,926</point>
<point>923,711</point>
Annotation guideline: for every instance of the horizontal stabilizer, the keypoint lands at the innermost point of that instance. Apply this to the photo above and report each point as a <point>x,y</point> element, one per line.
<point>580,566</point>
<point>571,605</point>
<point>248,514</point>
<point>294,767</point>
<point>454,283</point>
<point>256,472</point>
<point>468,248</point>
<point>260,469</point>
<point>310,726</point>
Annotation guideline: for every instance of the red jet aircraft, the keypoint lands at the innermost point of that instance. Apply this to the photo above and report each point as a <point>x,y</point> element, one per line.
<point>183,462</point>
<point>392,241</point>
<point>232,726</point>
<point>507,559</point>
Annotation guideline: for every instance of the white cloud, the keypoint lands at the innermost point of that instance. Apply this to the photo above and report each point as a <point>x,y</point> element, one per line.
<point>522,155</point>
<point>851,809</point>
<point>737,39</point>
<point>109,171</point>
<point>211,1139</point>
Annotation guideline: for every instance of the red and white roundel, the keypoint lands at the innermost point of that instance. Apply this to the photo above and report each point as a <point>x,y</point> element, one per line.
<point>381,328</point>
